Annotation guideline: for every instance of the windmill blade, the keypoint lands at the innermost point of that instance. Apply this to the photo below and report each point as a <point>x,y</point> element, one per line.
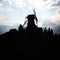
<point>35,15</point>
<point>34,11</point>
<point>25,22</point>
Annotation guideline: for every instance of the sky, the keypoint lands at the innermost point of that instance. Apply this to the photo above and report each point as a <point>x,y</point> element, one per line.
<point>14,12</point>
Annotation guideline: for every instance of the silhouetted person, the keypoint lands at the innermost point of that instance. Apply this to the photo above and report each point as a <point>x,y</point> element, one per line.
<point>20,28</point>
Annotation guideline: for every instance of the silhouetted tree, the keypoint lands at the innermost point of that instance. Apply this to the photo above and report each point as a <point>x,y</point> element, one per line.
<point>51,32</point>
<point>13,32</point>
<point>45,31</point>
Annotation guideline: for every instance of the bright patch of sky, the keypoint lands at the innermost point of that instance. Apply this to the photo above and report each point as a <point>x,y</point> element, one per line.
<point>14,11</point>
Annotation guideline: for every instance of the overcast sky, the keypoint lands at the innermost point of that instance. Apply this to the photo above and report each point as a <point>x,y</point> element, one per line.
<point>14,11</point>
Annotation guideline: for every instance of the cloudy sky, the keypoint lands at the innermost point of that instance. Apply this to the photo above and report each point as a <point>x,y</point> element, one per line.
<point>14,12</point>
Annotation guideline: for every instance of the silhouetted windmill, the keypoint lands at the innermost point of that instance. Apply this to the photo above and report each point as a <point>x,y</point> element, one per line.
<point>31,20</point>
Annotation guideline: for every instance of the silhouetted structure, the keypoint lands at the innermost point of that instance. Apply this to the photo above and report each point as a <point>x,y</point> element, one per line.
<point>30,41</point>
<point>31,23</point>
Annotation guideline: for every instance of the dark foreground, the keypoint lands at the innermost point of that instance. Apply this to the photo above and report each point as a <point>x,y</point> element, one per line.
<point>30,42</point>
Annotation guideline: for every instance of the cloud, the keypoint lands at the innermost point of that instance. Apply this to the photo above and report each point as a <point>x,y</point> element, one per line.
<point>9,23</point>
<point>10,9</point>
<point>39,4</point>
<point>19,3</point>
<point>42,6</point>
<point>10,4</point>
<point>57,4</point>
<point>4,7</point>
<point>1,4</point>
<point>2,16</point>
<point>15,3</point>
<point>7,6</point>
<point>5,22</point>
<point>56,18</point>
